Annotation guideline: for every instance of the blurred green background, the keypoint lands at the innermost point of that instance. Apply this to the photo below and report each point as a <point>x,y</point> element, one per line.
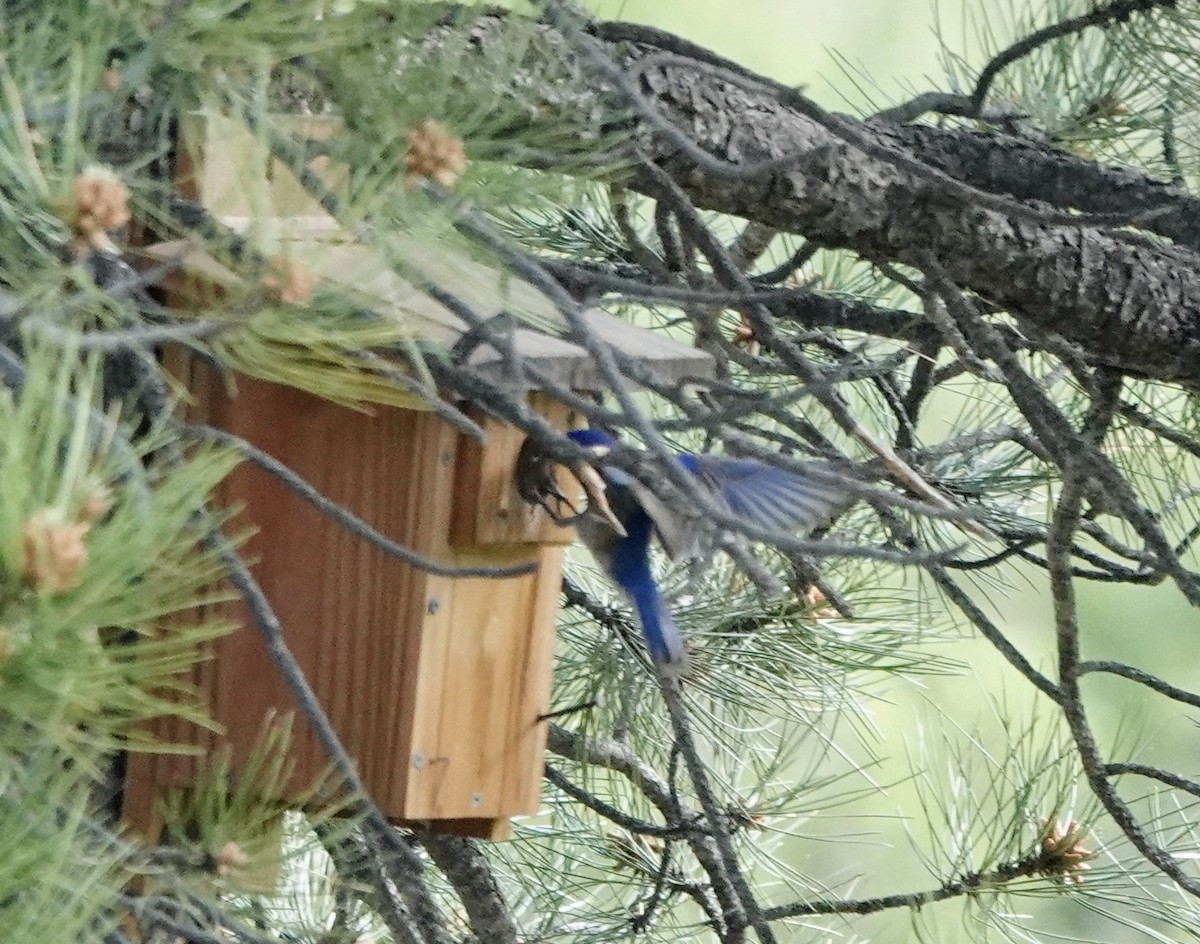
<point>856,56</point>
<point>819,44</point>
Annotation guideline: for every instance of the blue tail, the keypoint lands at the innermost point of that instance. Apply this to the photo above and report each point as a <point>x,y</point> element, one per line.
<point>630,569</point>
<point>658,626</point>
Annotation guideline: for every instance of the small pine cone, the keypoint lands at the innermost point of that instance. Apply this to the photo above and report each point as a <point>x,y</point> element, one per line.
<point>818,606</point>
<point>1064,856</point>
<point>52,552</point>
<point>289,282</point>
<point>229,858</point>
<point>743,335</point>
<point>96,504</point>
<point>99,203</point>
<point>433,153</point>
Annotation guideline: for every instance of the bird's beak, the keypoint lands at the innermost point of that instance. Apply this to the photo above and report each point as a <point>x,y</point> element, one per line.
<point>536,483</point>
<point>594,487</point>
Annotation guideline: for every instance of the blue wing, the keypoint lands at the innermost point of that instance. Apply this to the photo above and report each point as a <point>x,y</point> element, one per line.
<point>762,495</point>
<point>769,497</point>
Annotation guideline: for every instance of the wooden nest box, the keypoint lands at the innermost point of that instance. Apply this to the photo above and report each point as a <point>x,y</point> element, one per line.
<point>434,684</point>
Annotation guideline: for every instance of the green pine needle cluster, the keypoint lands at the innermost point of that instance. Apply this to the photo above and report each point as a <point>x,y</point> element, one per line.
<point>100,546</point>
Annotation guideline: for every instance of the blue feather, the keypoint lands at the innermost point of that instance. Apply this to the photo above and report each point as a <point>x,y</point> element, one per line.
<point>630,570</point>
<point>763,495</point>
<point>767,496</point>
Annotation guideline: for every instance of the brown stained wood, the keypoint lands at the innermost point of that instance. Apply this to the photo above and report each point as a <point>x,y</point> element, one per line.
<point>147,774</point>
<point>533,673</point>
<point>476,734</point>
<point>434,684</point>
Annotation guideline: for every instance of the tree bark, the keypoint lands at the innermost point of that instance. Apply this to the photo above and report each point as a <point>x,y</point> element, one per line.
<point>1127,301</point>
<point>994,210</point>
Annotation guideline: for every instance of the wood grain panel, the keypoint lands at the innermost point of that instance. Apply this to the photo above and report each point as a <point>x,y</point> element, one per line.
<point>434,684</point>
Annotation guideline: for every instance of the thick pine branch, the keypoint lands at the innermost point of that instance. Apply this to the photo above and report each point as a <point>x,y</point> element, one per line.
<point>1002,226</point>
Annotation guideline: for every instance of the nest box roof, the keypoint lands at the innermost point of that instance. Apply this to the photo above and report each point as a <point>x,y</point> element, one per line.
<point>276,212</point>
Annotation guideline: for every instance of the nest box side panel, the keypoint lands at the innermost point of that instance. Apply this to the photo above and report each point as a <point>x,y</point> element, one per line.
<point>147,773</point>
<point>353,617</point>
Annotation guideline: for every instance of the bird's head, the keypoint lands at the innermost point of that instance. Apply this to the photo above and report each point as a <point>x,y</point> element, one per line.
<point>537,483</point>
<point>595,441</point>
<point>597,444</point>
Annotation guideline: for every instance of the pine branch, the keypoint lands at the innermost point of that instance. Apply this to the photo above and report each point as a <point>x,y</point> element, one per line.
<point>1118,11</point>
<point>744,145</point>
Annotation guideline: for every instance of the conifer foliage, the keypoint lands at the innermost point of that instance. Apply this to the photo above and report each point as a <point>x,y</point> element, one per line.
<point>978,309</point>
